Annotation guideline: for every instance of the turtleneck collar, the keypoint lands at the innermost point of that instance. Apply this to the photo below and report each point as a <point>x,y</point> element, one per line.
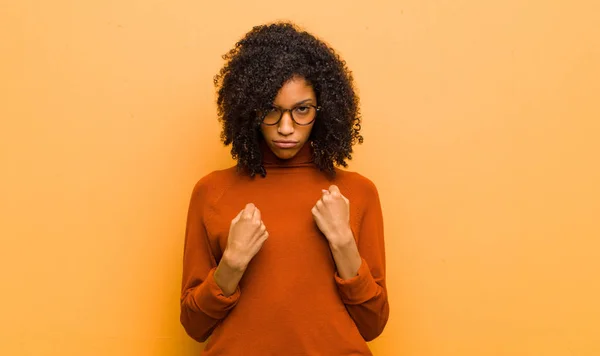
<point>304,157</point>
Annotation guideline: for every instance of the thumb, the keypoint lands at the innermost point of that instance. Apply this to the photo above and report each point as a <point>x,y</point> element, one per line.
<point>237,217</point>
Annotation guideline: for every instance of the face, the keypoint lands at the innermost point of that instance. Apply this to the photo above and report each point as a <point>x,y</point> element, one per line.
<point>286,138</point>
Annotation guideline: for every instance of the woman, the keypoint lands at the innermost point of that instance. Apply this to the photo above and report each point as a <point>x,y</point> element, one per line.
<point>284,254</point>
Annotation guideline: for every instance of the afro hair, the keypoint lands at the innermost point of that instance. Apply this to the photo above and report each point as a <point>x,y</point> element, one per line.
<point>255,70</point>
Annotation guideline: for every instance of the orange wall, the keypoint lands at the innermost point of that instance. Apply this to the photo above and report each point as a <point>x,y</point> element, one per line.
<point>482,128</point>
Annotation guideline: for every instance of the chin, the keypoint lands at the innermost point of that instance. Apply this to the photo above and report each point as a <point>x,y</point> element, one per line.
<point>284,154</point>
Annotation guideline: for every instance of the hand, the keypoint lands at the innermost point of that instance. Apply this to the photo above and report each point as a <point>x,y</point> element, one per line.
<point>247,234</point>
<point>332,215</point>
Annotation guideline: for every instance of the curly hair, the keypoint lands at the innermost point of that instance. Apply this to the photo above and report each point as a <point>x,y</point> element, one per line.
<point>256,69</point>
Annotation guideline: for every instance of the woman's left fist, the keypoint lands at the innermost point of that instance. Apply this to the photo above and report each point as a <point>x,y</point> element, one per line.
<point>332,215</point>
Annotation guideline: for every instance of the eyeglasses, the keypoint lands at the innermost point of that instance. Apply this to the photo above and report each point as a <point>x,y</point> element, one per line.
<point>302,115</point>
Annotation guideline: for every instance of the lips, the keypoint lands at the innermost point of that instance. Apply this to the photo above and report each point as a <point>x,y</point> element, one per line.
<point>285,144</point>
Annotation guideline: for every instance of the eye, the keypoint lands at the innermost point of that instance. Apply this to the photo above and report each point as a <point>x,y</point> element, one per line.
<point>302,109</point>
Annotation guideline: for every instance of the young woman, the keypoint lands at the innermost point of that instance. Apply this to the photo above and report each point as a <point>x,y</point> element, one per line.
<point>284,253</point>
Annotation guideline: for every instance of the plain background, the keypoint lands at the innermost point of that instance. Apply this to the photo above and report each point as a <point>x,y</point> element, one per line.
<point>481,125</point>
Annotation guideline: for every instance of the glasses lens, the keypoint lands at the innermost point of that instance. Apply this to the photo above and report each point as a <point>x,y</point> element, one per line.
<point>272,116</point>
<point>304,114</point>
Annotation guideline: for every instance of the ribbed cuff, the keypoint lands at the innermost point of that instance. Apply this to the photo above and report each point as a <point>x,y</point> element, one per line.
<point>210,298</point>
<point>358,289</point>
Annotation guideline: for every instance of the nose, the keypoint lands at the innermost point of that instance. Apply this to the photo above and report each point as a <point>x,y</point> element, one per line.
<point>286,124</point>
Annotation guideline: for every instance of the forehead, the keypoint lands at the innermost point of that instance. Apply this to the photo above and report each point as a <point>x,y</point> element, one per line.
<point>294,91</point>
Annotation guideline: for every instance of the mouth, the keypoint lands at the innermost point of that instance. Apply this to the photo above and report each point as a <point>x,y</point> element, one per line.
<point>285,144</point>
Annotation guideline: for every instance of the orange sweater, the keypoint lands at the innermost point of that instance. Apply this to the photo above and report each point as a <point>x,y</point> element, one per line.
<point>290,300</point>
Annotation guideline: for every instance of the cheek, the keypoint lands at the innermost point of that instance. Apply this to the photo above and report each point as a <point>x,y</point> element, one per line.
<point>267,131</point>
<point>306,132</point>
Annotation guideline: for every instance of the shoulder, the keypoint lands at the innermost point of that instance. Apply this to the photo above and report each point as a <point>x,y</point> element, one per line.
<point>215,182</point>
<point>356,184</point>
<point>360,191</point>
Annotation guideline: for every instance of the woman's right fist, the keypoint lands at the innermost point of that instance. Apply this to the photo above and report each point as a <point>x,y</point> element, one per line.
<point>247,234</point>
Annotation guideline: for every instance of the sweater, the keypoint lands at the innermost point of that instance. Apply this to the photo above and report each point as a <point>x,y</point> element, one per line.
<point>290,300</point>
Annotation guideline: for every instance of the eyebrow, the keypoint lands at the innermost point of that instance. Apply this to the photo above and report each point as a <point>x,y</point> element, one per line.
<point>297,104</point>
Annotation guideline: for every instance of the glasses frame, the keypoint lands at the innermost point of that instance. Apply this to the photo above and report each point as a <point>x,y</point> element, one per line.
<point>283,111</point>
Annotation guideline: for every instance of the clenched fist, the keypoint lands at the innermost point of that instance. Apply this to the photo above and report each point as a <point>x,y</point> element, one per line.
<point>247,234</point>
<point>332,215</point>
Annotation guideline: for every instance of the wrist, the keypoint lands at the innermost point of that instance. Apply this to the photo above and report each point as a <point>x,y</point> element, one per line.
<point>343,240</point>
<point>234,262</point>
<point>227,276</point>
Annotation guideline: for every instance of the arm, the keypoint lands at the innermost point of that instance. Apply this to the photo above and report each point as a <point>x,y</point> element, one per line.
<point>203,302</point>
<point>364,292</point>
<point>360,262</point>
<point>346,255</point>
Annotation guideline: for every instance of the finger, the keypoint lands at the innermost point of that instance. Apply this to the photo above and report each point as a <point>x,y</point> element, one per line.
<point>257,215</point>
<point>334,190</point>
<point>262,236</point>
<point>248,211</point>
<point>262,228</point>
<point>324,191</point>
<point>314,211</point>
<point>265,236</point>
<point>319,205</point>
